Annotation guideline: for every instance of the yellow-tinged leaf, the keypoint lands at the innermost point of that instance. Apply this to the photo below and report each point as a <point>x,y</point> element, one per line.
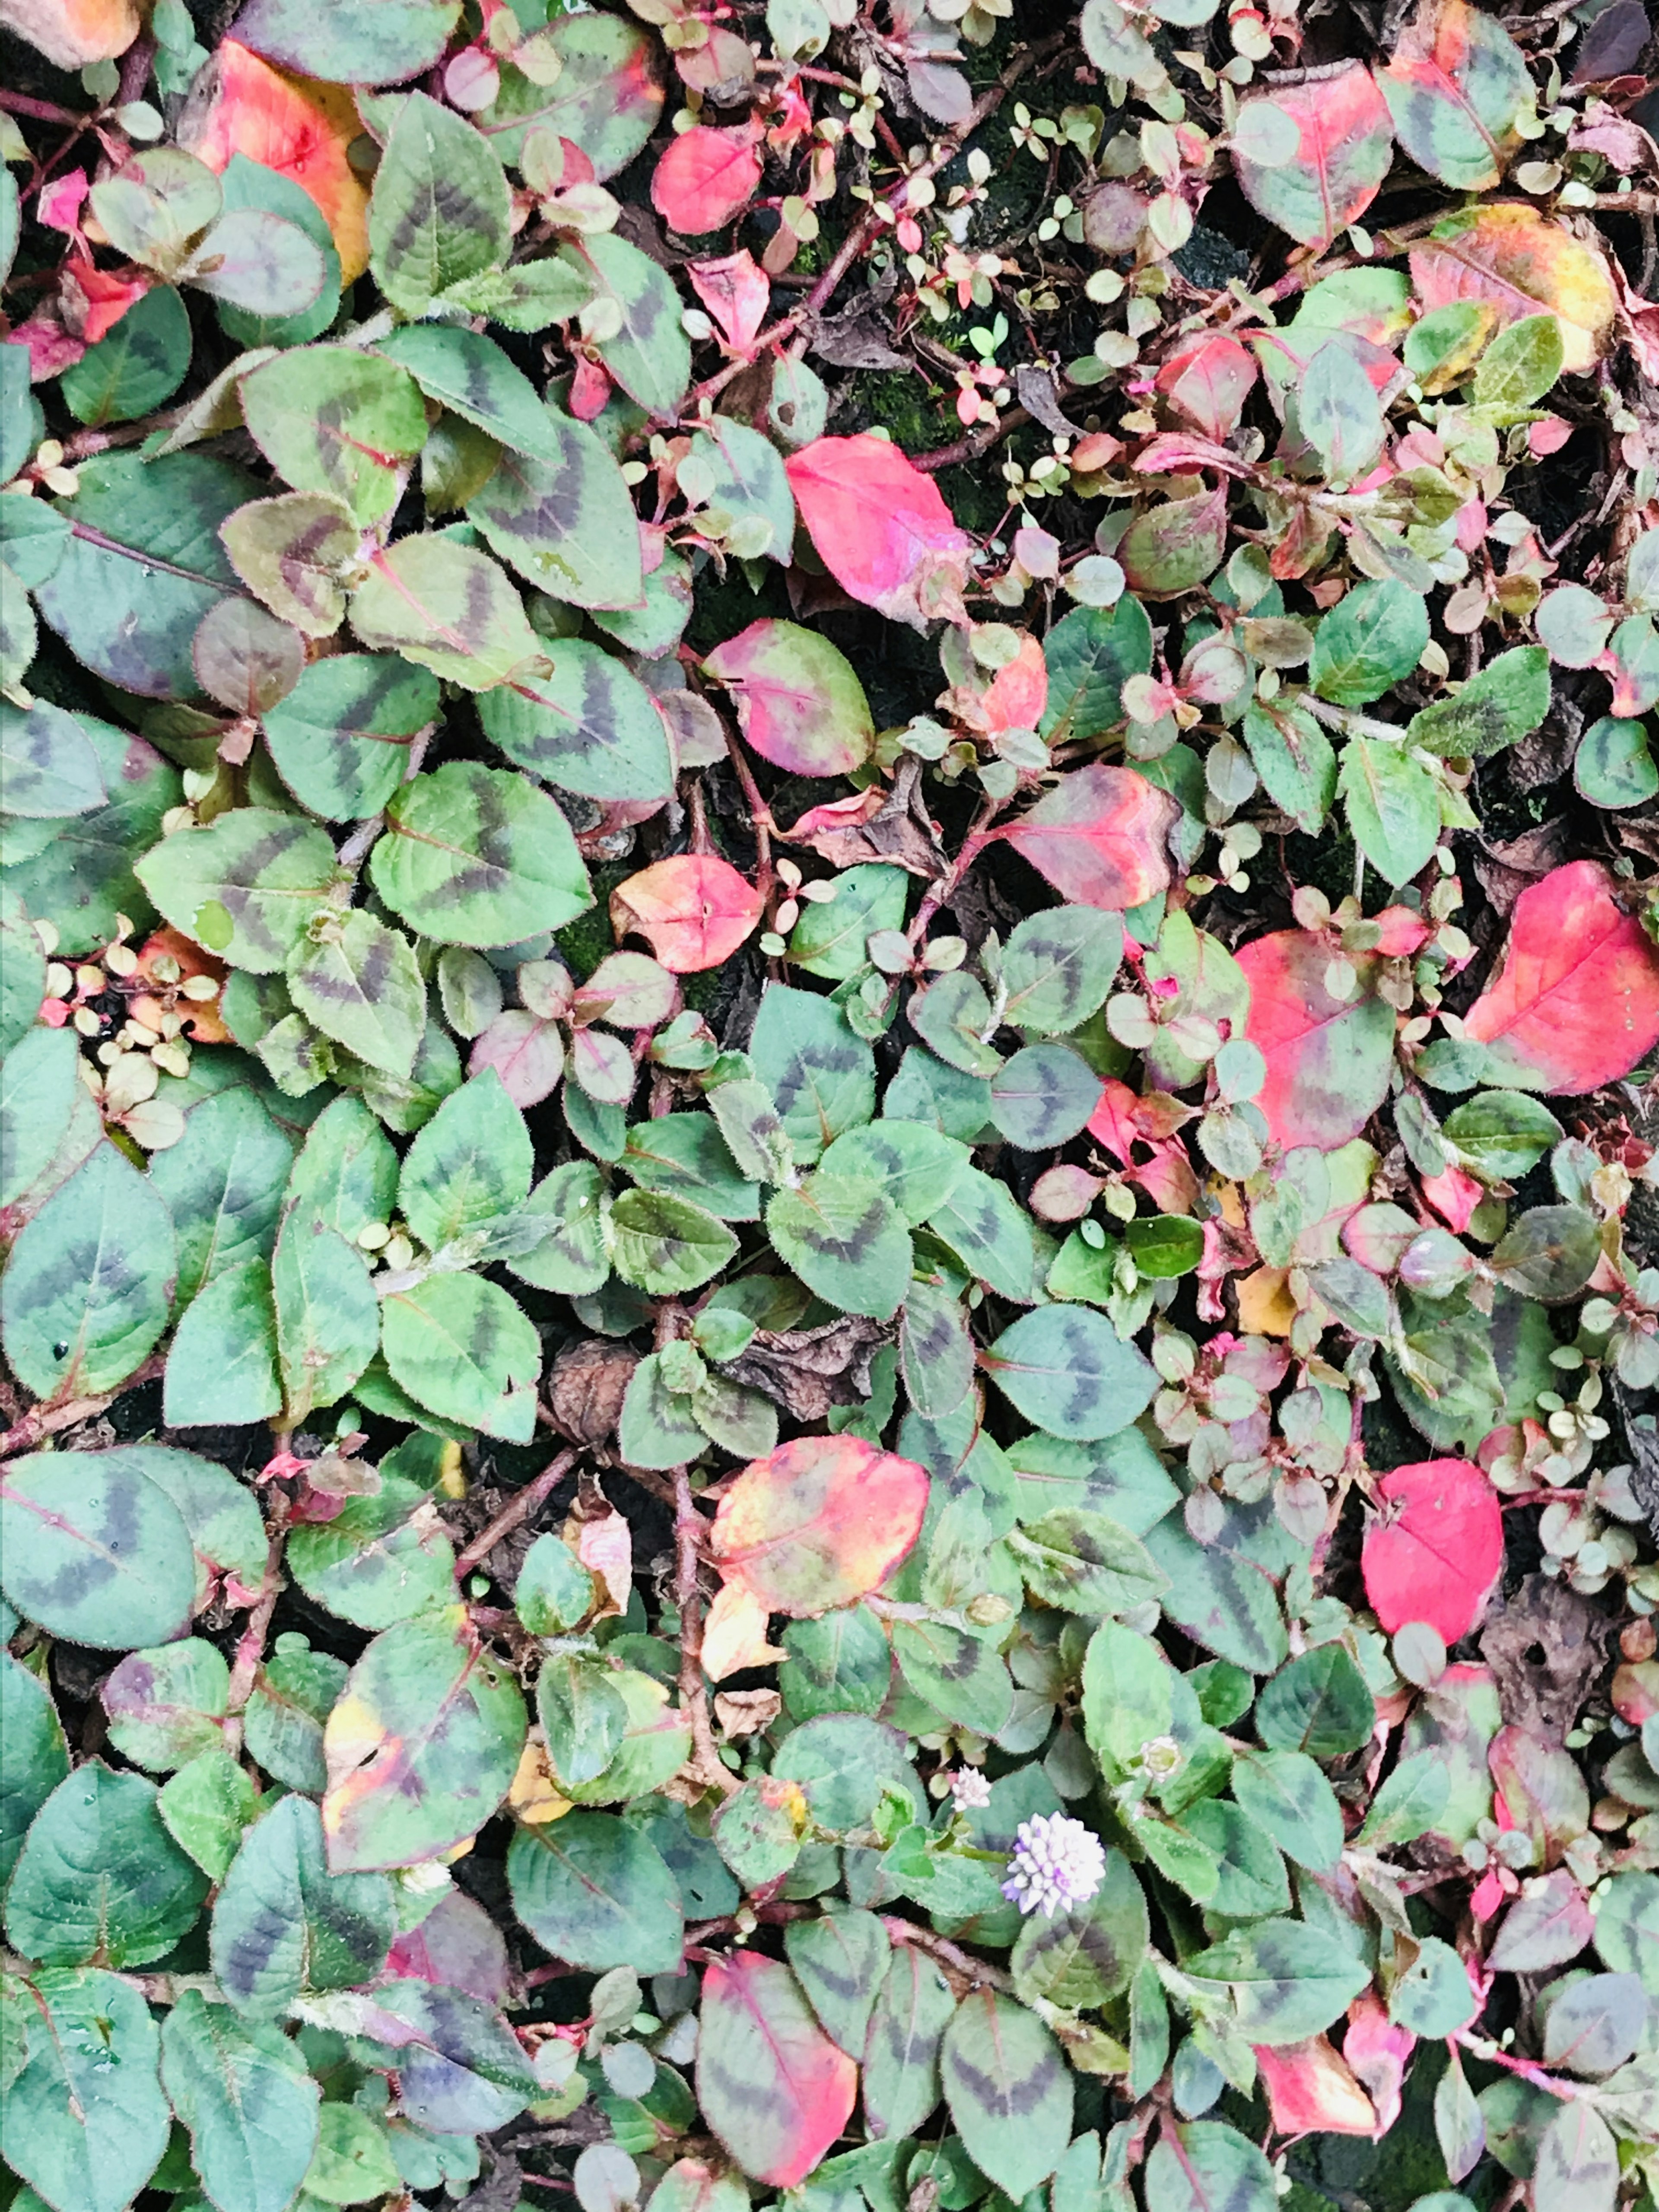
<point>73,32</point>
<point>1511,258</point>
<point>734,1634</point>
<point>605,1547</point>
<point>1265,1307</point>
<point>534,1797</point>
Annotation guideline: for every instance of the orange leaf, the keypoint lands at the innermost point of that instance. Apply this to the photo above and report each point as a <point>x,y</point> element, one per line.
<point>881,527</point>
<point>819,1522</point>
<point>1510,257</point>
<point>1099,836</point>
<point>693,911</point>
<point>302,129</point>
<point>1016,695</point>
<point>72,34</point>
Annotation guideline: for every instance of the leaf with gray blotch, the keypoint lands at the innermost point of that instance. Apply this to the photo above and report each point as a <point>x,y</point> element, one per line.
<point>991,1233</point>
<point>588,726</point>
<point>918,1167</point>
<point>1067,1371</point>
<point>48,767</point>
<point>650,356</point>
<point>1057,967</point>
<point>86,1293</point>
<point>572,1256</point>
<point>447,607</point>
<point>958,1674</point>
<point>1288,1980</point>
<point>166,1705</point>
<point>1009,2090</point>
<point>100,1877</point>
<point>22,987</point>
<point>1215,2165</point>
<point>84,2121</point>
<point>1085,1956</point>
<point>1043,1096</point>
<point>328,1319</point>
<point>479,856</point>
<point>459,1345</point>
<point>359,983</point>
<point>1549,1253</point>
<point>594,1890</point>
<point>246,886</point>
<point>844,1238</point>
<point>294,1694</point>
<point>1086,1562</point>
<point>841,1961</point>
<point>346,1174</point>
<point>242,2089</point>
<point>901,2053</point>
<point>440,211</point>
<point>290,552</point>
<point>1288,1795</point>
<point>48,1122</point>
<point>1595,2025</point>
<point>283,1923</point>
<point>1578,2166</point>
<point>936,1350</point>
<point>822,1077</point>
<point>665,1245</point>
<point>339,420</point>
<point>566,520</point>
<point>223,1183</point>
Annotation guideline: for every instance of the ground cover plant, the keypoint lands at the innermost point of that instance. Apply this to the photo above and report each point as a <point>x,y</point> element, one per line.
<point>829,950</point>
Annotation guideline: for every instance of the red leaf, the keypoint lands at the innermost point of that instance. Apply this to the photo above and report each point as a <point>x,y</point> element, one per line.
<point>1311,2088</point>
<point>736,293</point>
<point>1016,695</point>
<point>1454,1194</point>
<point>881,527</point>
<point>1575,1002</point>
<point>705,178</point>
<point>1376,2051</point>
<point>1436,1558</point>
<point>800,705</point>
<point>102,299</point>
<point>1328,1058</point>
<point>1209,382</point>
<point>1345,139</point>
<point>819,1522</point>
<point>1099,837</point>
<point>773,2087</point>
<point>693,911</point>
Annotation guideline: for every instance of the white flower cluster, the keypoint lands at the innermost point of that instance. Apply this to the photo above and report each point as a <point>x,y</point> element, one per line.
<point>1057,1863</point>
<point>970,1791</point>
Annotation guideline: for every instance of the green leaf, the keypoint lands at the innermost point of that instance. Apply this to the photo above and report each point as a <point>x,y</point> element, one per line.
<point>245,887</point>
<point>595,1891</point>
<point>295,1691</point>
<point>1578,2165</point>
<point>353,2162</point>
<point>421,1747</point>
<point>459,1345</point>
<point>284,1924</point>
<point>1339,411</point>
<point>589,727</point>
<point>571,1256</point>
<point>338,420</point>
<point>1042,1097</point>
<point>470,374</point>
<point>1393,807</point>
<point>1288,1980</point>
<point>841,1961</point>
<point>477,856</point>
<point>139,366</point>
<point>1507,700</point>
<point>1409,1802</point>
<point>1614,766</point>
<point>223,1183</point>
<point>1085,1562</point>
<point>1009,2090</point>
<point>48,767</point>
<point>445,607</point>
<point>86,1290</point>
<point>1288,1796</point>
<point>328,1320</point>
<point>1433,1996</point>
<point>166,1704</point>
<point>100,1877</point>
<point>143,564</point>
<point>242,2090</point>
<point>346,1176</point>
<point>650,356</point>
<point>1085,1957</point>
<point>822,1077</point>
<point>605,98</point>
<point>359,983</point>
<point>1501,1134</point>
<point>566,521</point>
<point>1057,967</point>
<point>839,1664</point>
<point>1213,2166</point>
<point>84,2121</point>
<point>1519,365</point>
<point>1089,651</point>
<point>331,39</point>
<point>991,1233</point>
<point>1165,1245</point>
<point>381,1559</point>
<point>829,937</point>
<point>844,1238</point>
<point>439,211</point>
<point>582,1714</point>
<point>339,739</point>
<point>1371,640</point>
<point>901,2054</point>
<point>665,1245</point>
<point>1069,1373</point>
<point>33,1756</point>
<point>685,1156</point>
<point>22,987</point>
<point>1318,1703</point>
<point>469,1165</point>
<point>84,877</point>
<point>959,1675</point>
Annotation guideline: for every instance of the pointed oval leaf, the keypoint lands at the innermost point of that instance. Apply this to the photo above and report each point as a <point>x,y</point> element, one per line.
<point>819,1522</point>
<point>773,2087</point>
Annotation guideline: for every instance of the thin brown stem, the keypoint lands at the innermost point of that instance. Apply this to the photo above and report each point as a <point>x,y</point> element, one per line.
<point>970,448</point>
<point>690,1532</point>
<point>251,1645</point>
<point>45,1420</point>
<point>948,1954</point>
<point>518,1508</point>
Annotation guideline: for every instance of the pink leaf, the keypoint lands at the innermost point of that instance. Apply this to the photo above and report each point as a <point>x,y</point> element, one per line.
<point>799,703</point>
<point>1575,1003</point>
<point>1099,837</point>
<point>705,178</point>
<point>693,911</point>
<point>819,1522</point>
<point>736,293</point>
<point>1376,2051</point>
<point>1328,1058</point>
<point>1435,1552</point>
<point>1209,382</point>
<point>1311,2088</point>
<point>773,2087</point>
<point>881,527</point>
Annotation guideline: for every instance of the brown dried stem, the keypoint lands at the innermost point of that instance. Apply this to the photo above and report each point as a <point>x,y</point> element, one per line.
<point>518,1509</point>
<point>690,1532</point>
